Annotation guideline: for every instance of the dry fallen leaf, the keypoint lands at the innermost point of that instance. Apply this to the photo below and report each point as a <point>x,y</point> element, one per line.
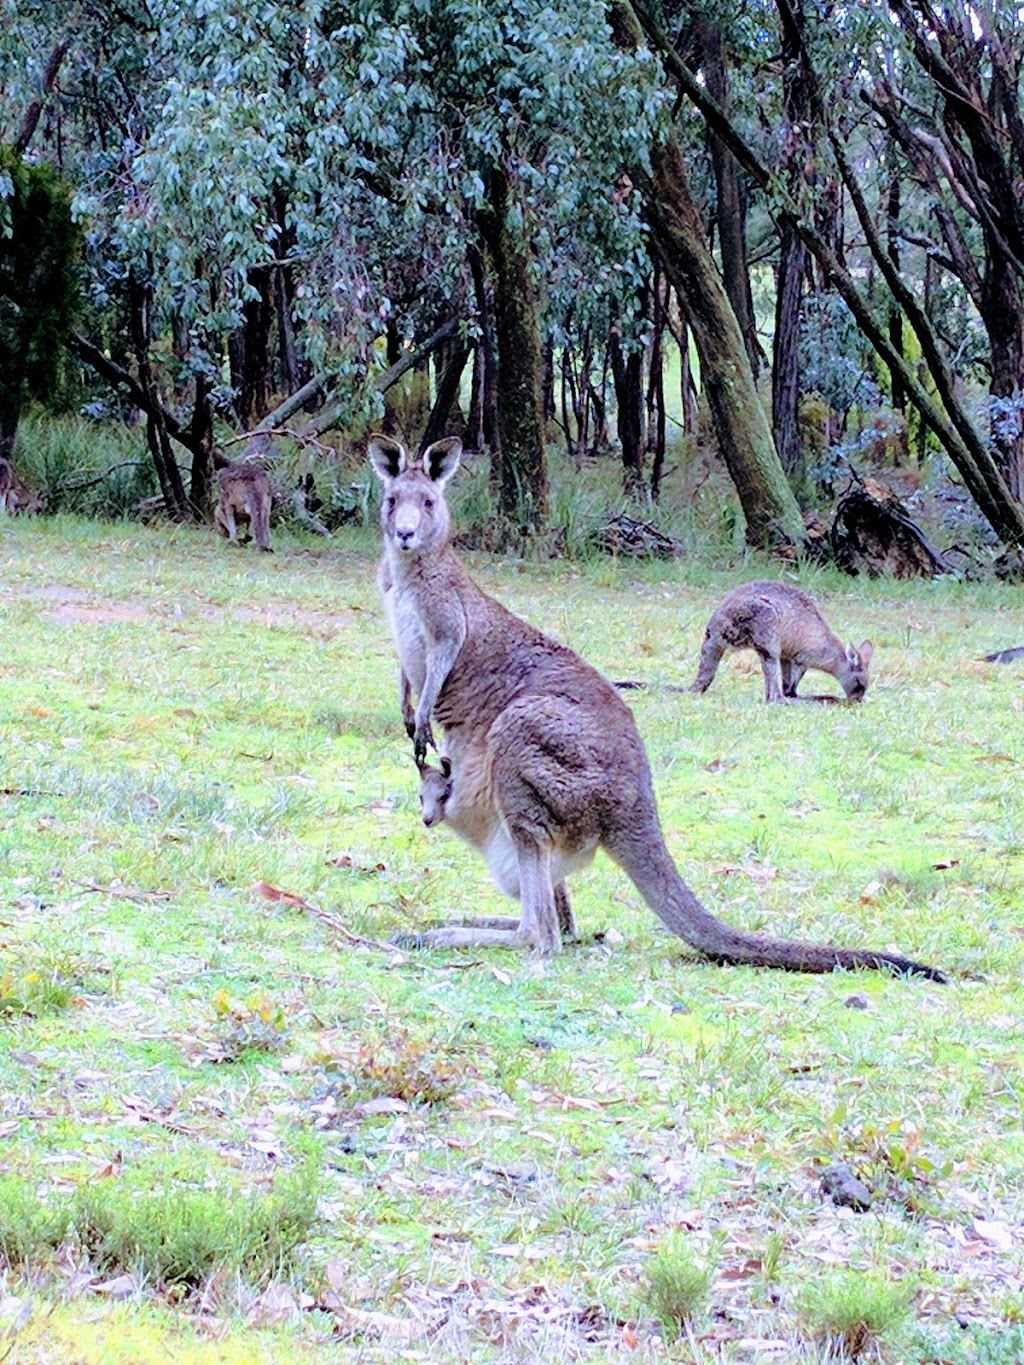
<point>995,1233</point>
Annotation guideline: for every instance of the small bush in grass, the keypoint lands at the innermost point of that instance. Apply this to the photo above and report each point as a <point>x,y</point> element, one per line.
<point>399,1067</point>
<point>45,982</point>
<point>852,1308</point>
<point>30,1226</point>
<point>259,1025</point>
<point>677,1283</point>
<point>180,1231</point>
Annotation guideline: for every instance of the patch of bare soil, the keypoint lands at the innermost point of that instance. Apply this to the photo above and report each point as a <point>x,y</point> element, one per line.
<point>72,606</point>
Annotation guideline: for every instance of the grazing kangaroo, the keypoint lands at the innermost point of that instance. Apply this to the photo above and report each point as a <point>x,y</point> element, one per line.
<point>546,759</point>
<point>789,634</point>
<point>244,496</point>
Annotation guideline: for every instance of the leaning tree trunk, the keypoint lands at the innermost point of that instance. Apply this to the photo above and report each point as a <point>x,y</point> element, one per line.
<point>744,436</point>
<point>523,475</point>
<point>167,472</point>
<point>451,368</point>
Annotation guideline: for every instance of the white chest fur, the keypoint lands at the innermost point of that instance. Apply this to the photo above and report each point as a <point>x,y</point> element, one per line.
<point>402,611</point>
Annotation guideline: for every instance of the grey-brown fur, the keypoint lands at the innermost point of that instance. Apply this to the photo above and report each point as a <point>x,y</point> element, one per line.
<point>788,633</point>
<point>547,763</point>
<point>438,803</point>
<point>243,496</point>
<point>15,494</point>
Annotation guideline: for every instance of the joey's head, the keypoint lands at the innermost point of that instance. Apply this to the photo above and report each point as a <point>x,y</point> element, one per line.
<point>435,790</point>
<point>414,516</point>
<point>853,675</point>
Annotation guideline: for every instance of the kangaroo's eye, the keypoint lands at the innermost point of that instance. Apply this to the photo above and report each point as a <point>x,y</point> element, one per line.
<point>391,503</point>
<point>429,504</point>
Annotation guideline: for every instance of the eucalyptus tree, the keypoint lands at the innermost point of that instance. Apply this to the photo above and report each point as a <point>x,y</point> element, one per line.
<point>511,125</point>
<point>838,59</point>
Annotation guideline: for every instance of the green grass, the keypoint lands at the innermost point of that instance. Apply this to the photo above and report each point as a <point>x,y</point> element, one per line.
<point>483,1148</point>
<point>678,1284</point>
<point>851,1310</point>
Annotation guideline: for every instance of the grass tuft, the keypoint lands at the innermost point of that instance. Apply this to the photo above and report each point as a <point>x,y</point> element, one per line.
<point>677,1283</point>
<point>852,1309</point>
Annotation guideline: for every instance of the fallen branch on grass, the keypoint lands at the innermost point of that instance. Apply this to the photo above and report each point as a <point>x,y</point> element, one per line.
<point>124,893</point>
<point>274,893</point>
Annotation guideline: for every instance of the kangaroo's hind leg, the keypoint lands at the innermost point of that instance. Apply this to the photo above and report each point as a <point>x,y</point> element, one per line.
<point>791,676</point>
<point>772,671</point>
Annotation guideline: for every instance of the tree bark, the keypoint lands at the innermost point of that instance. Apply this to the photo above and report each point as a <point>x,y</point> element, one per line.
<point>487,358</point>
<point>439,422</point>
<point>249,351</point>
<point>797,141</point>
<point>744,437</point>
<point>730,213</point>
<point>892,246</point>
<point>32,115</point>
<point>628,378</point>
<point>523,482</point>
<point>202,450</point>
<point>952,426</point>
<point>167,472</point>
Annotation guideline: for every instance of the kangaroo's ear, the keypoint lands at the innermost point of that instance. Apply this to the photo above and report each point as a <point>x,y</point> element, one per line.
<point>866,652</point>
<point>441,460</point>
<point>446,766</point>
<point>387,456</point>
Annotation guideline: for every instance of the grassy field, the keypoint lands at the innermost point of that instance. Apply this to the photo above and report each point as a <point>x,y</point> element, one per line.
<point>237,1126</point>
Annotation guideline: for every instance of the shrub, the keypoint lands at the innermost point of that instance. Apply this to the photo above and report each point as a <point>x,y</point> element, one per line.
<point>678,1283</point>
<point>852,1308</point>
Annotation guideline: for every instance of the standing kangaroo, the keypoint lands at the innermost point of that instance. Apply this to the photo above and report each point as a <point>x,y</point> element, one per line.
<point>244,496</point>
<point>547,762</point>
<point>789,634</point>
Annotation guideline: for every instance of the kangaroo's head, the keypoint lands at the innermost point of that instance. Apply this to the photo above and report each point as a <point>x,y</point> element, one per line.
<point>853,676</point>
<point>435,790</point>
<point>414,514</point>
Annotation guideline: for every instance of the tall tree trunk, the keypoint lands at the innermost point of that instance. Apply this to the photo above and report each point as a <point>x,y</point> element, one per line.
<point>744,437</point>
<point>786,370</point>
<point>249,351</point>
<point>167,472</point>
<point>628,378</point>
<point>202,450</point>
<point>656,386</point>
<point>487,356</point>
<point>475,424</point>
<point>892,244</point>
<point>797,139</point>
<point>523,484</point>
<point>731,213</point>
<point>439,422</point>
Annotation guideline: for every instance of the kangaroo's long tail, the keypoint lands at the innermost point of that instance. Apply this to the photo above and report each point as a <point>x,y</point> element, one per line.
<point>643,855</point>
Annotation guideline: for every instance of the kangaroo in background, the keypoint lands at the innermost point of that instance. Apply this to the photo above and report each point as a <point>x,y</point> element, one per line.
<point>244,496</point>
<point>547,763</point>
<point>15,494</point>
<point>789,634</point>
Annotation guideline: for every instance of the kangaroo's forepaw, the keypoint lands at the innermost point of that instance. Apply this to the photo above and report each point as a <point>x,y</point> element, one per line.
<point>422,739</point>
